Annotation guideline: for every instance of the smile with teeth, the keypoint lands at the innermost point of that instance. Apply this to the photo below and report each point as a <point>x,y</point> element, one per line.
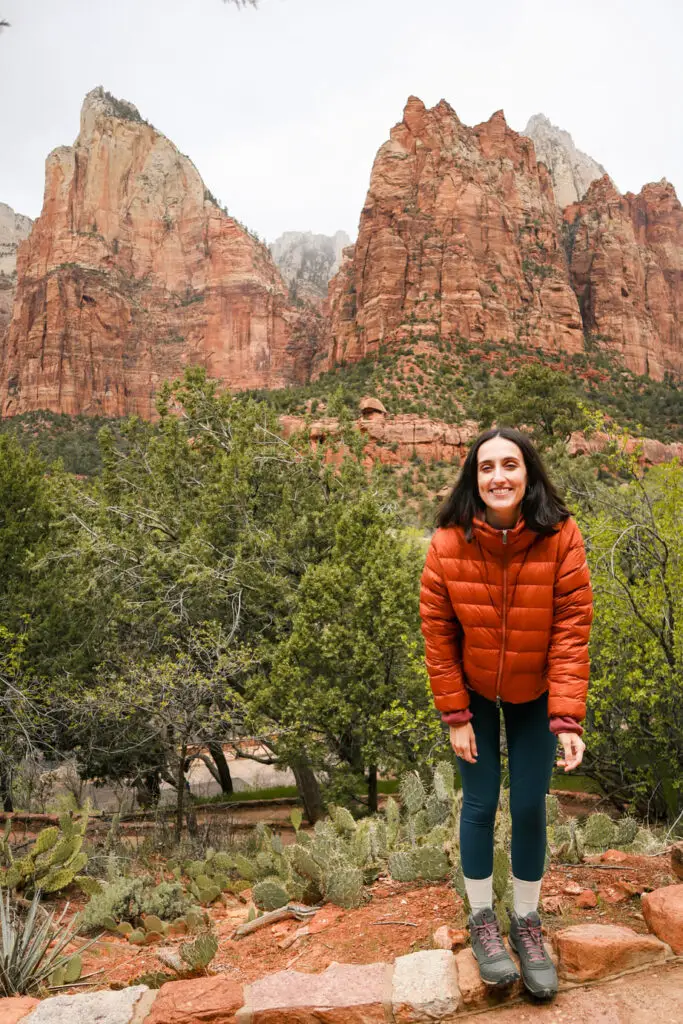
<point>501,490</point>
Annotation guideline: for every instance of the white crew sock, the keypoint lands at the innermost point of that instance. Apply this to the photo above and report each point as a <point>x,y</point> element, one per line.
<point>479,892</point>
<point>526,896</point>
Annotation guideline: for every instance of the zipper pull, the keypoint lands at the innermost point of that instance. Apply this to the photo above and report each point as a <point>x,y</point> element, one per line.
<point>505,536</point>
<point>498,702</point>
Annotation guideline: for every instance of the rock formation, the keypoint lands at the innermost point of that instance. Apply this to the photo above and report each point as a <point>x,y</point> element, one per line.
<point>626,260</point>
<point>395,440</point>
<point>459,236</point>
<point>14,228</point>
<point>307,262</point>
<point>131,273</point>
<point>571,170</point>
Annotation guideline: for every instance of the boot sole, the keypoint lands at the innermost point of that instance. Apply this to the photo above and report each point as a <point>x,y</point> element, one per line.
<point>500,982</point>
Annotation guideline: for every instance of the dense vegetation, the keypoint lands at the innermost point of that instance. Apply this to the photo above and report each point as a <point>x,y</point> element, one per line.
<point>206,580</point>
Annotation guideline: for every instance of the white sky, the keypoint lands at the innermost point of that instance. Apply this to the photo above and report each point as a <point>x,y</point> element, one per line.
<point>283,108</point>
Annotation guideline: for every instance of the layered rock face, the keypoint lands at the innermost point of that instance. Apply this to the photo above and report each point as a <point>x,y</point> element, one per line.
<point>14,228</point>
<point>459,236</point>
<point>626,260</point>
<point>307,262</point>
<point>572,171</point>
<point>132,273</point>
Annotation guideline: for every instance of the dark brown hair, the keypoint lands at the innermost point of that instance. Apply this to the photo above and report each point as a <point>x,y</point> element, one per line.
<point>542,507</point>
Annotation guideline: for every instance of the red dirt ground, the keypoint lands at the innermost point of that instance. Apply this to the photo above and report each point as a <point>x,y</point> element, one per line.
<point>398,918</point>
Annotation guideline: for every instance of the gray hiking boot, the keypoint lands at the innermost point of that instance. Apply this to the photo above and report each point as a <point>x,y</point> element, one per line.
<point>538,971</point>
<point>496,967</point>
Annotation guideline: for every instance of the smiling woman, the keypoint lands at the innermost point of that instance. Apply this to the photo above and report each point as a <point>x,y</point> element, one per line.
<point>506,609</point>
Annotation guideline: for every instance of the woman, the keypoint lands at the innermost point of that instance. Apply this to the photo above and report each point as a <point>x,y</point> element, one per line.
<point>506,609</point>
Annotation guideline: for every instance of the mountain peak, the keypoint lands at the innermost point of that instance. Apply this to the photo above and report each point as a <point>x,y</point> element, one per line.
<point>571,170</point>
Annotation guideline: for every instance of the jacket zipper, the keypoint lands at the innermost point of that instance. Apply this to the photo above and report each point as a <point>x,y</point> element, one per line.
<point>502,646</point>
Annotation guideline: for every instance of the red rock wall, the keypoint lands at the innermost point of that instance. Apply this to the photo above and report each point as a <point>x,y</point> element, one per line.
<point>459,235</point>
<point>131,274</point>
<point>627,269</point>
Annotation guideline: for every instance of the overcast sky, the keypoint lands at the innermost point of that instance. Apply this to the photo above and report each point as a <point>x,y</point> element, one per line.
<point>283,108</point>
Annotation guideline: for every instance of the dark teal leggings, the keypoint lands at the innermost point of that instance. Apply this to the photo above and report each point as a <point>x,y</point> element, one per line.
<point>531,753</point>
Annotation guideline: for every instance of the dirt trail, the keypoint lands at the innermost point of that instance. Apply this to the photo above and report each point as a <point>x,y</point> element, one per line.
<point>655,994</point>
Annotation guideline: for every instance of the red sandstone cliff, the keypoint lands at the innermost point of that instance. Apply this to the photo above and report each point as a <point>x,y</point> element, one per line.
<point>626,257</point>
<point>459,235</point>
<point>131,273</point>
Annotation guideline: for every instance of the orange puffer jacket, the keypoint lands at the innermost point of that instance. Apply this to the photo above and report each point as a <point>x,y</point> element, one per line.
<point>508,615</point>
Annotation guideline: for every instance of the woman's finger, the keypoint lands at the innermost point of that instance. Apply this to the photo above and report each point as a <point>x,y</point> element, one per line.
<point>473,746</point>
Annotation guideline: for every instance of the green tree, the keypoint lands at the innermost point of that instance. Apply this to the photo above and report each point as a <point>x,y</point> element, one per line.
<point>354,657</point>
<point>537,398</point>
<point>635,707</point>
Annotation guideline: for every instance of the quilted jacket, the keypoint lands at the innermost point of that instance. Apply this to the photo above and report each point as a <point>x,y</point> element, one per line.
<point>507,614</point>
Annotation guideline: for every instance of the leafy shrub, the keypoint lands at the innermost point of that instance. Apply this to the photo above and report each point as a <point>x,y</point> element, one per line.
<point>122,900</point>
<point>167,901</point>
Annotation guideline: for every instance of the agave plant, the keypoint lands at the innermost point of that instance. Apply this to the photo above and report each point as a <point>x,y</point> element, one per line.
<point>31,951</point>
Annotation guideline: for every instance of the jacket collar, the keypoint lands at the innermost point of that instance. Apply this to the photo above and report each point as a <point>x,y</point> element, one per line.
<point>516,538</point>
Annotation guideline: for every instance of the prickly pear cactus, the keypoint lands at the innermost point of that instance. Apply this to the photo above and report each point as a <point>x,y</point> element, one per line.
<point>402,866</point>
<point>412,792</point>
<point>444,782</point>
<point>53,862</point>
<point>270,894</point>
<point>599,832</point>
<point>626,832</point>
<point>344,821</point>
<point>344,887</point>
<point>199,954</point>
<point>432,863</point>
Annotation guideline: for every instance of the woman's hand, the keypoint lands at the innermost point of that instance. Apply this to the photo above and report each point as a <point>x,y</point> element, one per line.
<point>463,742</point>
<point>573,747</point>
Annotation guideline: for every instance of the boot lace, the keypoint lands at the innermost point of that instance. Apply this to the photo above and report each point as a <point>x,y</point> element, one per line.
<point>532,939</point>
<point>489,936</point>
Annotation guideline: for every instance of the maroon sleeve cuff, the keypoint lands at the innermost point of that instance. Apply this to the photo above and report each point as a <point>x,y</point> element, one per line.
<point>461,717</point>
<point>565,723</point>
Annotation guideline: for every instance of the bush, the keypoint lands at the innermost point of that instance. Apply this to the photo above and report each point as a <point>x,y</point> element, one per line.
<point>122,900</point>
<point>167,901</point>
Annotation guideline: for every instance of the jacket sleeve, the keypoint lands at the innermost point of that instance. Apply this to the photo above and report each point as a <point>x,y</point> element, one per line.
<point>568,664</point>
<point>443,638</point>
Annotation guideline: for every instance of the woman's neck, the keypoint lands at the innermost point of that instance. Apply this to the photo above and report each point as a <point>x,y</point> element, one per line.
<point>503,520</point>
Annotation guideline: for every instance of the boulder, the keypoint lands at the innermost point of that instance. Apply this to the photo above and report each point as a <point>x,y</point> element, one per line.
<point>197,1001</point>
<point>663,912</point>
<point>342,994</point>
<point>590,951</point>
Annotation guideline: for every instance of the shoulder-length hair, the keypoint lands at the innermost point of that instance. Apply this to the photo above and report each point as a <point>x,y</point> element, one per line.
<point>542,506</point>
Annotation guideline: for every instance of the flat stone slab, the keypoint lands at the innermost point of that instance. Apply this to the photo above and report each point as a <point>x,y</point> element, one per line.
<point>590,951</point>
<point>425,987</point>
<point>342,994</point>
<point>197,1001</point>
<point>16,1008</point>
<point>663,911</point>
<point>91,1008</point>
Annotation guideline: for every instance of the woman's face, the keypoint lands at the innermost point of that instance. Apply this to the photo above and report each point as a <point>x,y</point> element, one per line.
<point>502,479</point>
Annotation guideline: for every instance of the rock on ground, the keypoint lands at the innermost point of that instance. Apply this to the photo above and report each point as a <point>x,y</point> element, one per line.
<point>590,951</point>
<point>93,1008</point>
<point>663,911</point>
